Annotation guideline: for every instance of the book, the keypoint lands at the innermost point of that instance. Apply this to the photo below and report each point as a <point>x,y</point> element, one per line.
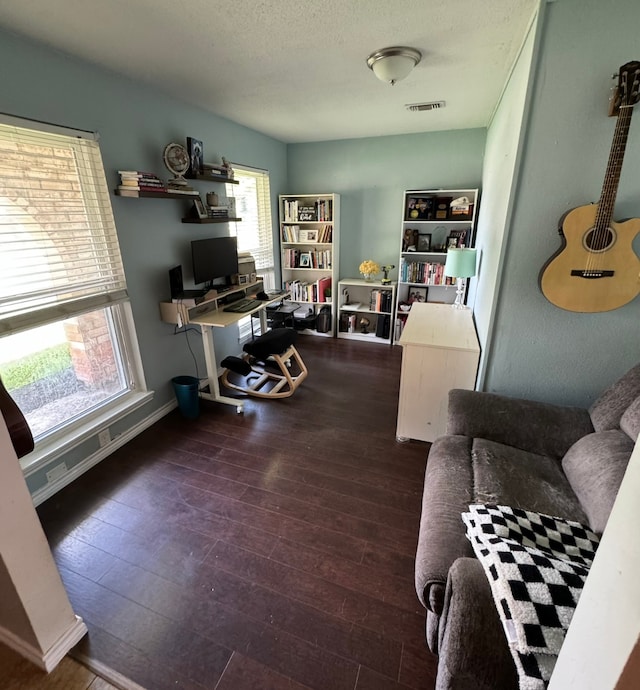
<point>182,190</point>
<point>323,284</point>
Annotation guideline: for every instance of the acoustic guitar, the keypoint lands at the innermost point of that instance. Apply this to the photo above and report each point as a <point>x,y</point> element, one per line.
<point>596,269</point>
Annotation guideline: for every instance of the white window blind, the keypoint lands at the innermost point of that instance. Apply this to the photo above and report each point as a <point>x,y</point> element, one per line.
<point>253,205</point>
<point>59,253</point>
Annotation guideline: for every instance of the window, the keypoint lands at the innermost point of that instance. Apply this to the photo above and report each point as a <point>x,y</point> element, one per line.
<point>66,337</point>
<point>254,233</point>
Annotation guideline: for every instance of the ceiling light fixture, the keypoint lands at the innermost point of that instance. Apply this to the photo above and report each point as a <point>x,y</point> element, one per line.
<point>393,64</point>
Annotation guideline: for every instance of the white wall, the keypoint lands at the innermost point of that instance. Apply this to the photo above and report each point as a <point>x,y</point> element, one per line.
<point>606,624</point>
<point>501,159</point>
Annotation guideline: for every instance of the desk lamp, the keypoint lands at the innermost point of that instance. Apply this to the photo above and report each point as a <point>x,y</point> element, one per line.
<point>460,264</point>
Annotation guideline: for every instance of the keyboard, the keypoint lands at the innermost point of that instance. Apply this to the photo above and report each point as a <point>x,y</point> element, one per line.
<point>243,305</point>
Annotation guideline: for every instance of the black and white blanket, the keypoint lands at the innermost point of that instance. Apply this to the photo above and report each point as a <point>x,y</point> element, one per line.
<point>536,565</point>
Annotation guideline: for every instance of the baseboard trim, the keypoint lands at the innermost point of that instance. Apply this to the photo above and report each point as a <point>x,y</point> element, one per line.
<point>52,657</point>
<point>105,672</point>
<point>41,495</point>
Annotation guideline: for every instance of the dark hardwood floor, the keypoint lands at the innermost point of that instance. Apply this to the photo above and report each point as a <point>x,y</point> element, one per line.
<point>268,550</point>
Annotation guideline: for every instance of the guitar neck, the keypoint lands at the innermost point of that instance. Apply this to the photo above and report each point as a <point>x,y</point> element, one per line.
<point>614,168</point>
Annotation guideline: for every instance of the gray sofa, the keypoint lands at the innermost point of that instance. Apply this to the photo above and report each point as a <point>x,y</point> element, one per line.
<point>564,461</point>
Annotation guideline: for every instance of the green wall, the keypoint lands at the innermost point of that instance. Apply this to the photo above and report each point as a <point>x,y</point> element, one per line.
<point>538,350</point>
<point>135,123</point>
<point>371,176</point>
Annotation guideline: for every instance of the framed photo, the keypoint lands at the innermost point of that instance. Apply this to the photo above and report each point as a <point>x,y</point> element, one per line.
<point>305,260</point>
<point>410,240</point>
<point>196,153</point>
<point>417,294</point>
<point>460,237</point>
<point>308,236</point>
<point>200,210</point>
<point>424,242</point>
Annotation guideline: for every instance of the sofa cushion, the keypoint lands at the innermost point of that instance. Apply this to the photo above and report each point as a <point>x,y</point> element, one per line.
<point>608,409</point>
<point>595,466</point>
<point>461,471</point>
<point>516,478</point>
<point>630,422</point>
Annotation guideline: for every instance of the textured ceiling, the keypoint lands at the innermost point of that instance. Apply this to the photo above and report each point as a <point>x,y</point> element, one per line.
<point>296,70</point>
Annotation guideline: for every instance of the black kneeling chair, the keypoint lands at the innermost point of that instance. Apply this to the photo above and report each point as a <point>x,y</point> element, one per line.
<point>276,346</point>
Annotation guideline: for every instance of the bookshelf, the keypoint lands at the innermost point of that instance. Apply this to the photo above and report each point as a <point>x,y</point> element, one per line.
<point>366,310</point>
<point>309,249</point>
<point>430,224</point>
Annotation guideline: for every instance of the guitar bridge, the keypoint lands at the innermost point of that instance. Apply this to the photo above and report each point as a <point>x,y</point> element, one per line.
<point>591,273</point>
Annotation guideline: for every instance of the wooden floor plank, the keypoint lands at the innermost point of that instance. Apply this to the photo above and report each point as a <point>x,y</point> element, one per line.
<point>267,550</point>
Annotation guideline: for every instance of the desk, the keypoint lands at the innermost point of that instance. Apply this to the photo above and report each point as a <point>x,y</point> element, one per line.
<point>209,315</point>
<point>440,351</point>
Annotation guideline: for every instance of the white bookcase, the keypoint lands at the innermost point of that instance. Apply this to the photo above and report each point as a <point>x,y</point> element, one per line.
<point>366,310</point>
<point>309,252</point>
<point>430,224</point>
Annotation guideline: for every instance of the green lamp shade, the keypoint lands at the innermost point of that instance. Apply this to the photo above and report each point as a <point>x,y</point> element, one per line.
<point>461,263</point>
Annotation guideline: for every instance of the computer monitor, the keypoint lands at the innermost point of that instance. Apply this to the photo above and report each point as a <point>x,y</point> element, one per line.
<point>215,260</point>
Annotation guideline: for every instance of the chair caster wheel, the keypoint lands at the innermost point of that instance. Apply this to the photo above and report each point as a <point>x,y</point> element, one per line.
<point>239,409</point>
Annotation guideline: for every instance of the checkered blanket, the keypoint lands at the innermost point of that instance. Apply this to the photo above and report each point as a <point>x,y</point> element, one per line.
<point>536,565</point>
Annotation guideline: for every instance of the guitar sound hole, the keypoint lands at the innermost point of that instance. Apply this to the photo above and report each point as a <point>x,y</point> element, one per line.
<point>599,240</point>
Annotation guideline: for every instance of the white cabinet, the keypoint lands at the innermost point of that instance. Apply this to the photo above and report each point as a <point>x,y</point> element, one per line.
<point>309,252</point>
<point>366,310</point>
<point>440,352</point>
<point>430,224</point>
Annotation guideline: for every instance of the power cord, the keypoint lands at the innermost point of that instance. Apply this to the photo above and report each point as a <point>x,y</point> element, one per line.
<point>176,331</point>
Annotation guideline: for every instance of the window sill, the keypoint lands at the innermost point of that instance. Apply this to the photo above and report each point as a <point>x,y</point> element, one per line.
<point>57,445</point>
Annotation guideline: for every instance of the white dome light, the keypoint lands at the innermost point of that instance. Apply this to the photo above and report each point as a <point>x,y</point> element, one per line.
<point>393,64</point>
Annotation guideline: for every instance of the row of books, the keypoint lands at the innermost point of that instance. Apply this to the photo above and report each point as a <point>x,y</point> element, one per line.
<point>294,258</point>
<point>295,211</point>
<point>381,300</point>
<point>293,233</point>
<point>139,181</point>
<point>424,272</point>
<point>302,291</point>
<point>132,182</point>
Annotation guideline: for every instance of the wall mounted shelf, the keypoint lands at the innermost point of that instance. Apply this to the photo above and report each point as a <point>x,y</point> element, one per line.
<point>203,221</point>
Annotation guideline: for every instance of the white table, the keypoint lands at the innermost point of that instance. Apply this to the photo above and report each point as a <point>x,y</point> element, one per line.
<point>209,315</point>
<point>440,352</point>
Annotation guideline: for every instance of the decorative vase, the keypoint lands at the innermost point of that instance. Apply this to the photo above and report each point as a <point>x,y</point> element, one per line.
<point>368,277</point>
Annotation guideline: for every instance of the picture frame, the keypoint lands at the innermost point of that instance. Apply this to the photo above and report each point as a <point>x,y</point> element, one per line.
<point>417,294</point>
<point>200,210</point>
<point>410,240</point>
<point>459,236</point>
<point>419,208</point>
<point>424,242</point>
<point>195,150</point>
<point>305,260</point>
<point>308,236</point>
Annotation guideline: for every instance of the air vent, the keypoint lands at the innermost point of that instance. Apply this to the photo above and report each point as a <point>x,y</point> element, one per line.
<point>418,107</point>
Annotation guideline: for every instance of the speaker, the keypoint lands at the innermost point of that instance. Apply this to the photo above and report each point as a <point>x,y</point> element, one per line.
<point>175,282</point>
<point>383,326</point>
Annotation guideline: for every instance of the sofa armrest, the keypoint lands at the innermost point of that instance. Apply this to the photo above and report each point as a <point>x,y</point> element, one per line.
<point>536,427</point>
<point>473,650</point>
<point>448,490</point>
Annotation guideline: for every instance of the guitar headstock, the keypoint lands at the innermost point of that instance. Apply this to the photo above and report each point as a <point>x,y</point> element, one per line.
<point>627,91</point>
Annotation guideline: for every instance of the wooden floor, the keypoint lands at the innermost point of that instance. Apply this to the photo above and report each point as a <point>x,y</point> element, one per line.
<point>260,551</point>
<point>17,673</point>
